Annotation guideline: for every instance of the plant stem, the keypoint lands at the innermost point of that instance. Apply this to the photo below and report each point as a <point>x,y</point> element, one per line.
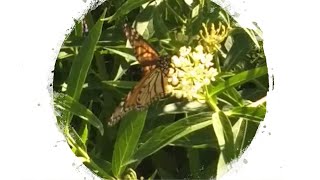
<point>211,101</point>
<point>86,158</point>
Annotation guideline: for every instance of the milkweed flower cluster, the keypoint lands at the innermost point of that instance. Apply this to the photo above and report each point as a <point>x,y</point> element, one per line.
<point>191,71</point>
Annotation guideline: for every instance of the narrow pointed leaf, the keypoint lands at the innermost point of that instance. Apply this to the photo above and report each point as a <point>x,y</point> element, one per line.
<point>126,8</point>
<point>162,137</point>
<point>238,79</point>
<point>67,103</point>
<point>255,114</point>
<point>128,135</point>
<point>223,130</point>
<point>82,62</point>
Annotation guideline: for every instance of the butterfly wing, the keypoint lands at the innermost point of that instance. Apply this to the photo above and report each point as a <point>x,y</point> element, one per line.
<point>152,85</point>
<point>150,88</point>
<point>145,54</point>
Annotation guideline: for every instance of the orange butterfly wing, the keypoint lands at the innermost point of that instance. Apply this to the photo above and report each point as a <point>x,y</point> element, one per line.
<point>149,89</point>
<point>152,85</point>
<point>145,54</point>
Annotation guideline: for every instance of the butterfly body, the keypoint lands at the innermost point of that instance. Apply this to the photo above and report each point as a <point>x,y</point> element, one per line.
<point>152,85</point>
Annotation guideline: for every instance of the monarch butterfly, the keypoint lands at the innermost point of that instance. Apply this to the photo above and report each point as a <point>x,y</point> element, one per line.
<point>152,85</point>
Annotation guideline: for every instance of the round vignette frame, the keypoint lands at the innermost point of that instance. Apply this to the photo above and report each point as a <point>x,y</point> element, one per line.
<point>236,11</point>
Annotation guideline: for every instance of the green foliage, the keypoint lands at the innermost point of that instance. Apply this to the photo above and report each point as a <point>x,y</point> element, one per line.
<point>173,138</point>
<point>126,142</point>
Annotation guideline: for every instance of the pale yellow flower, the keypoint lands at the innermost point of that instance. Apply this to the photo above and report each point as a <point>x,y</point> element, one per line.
<point>184,51</point>
<point>191,72</point>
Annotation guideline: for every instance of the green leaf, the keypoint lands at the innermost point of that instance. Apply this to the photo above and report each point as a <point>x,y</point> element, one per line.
<point>120,84</point>
<point>159,25</point>
<point>128,135</point>
<point>144,18</point>
<point>82,61</point>
<point>232,97</point>
<point>251,113</point>
<point>223,130</point>
<point>129,57</point>
<point>127,7</point>
<point>81,64</point>
<point>238,79</point>
<point>67,103</point>
<point>198,139</point>
<point>84,132</point>
<point>101,166</point>
<point>253,36</point>
<point>239,49</point>
<point>162,137</point>
<point>239,132</point>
